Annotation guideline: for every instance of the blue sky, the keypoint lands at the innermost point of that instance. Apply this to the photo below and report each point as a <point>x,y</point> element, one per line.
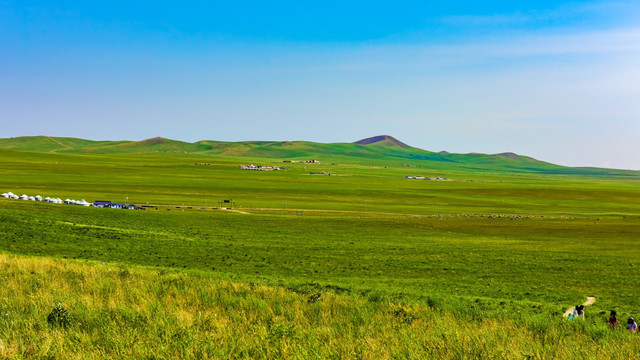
<point>555,80</point>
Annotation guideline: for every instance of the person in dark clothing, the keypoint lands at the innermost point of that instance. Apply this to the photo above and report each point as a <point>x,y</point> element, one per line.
<point>613,320</point>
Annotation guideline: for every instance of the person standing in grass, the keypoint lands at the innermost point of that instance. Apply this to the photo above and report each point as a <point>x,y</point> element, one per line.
<point>631,324</point>
<point>613,320</point>
<point>575,313</point>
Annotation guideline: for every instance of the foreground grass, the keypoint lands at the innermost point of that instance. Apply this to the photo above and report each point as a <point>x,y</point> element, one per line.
<point>502,266</point>
<point>476,267</point>
<point>136,312</point>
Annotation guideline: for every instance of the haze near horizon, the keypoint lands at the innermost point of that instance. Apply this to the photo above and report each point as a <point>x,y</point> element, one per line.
<point>554,80</point>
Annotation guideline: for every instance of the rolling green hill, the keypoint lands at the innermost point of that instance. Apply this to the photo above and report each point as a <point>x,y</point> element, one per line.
<point>384,147</point>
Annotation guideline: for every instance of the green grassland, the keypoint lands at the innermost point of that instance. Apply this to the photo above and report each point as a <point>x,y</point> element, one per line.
<point>486,262</point>
<point>138,312</point>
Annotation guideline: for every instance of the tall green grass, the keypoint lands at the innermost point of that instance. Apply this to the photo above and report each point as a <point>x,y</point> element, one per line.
<point>479,266</point>
<point>134,312</point>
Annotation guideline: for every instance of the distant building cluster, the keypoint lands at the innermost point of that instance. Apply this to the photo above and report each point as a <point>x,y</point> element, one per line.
<point>427,178</point>
<point>82,202</point>
<point>313,161</point>
<point>260,168</point>
<point>113,205</point>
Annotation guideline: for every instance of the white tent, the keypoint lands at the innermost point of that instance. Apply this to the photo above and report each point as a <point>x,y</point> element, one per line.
<point>31,198</point>
<point>5,195</point>
<point>24,197</point>
<point>38,198</point>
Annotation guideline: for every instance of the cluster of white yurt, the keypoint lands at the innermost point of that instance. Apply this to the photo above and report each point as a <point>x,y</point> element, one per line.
<point>82,202</point>
<point>10,195</point>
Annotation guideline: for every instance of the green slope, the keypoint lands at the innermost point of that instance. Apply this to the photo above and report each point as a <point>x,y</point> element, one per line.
<point>387,149</point>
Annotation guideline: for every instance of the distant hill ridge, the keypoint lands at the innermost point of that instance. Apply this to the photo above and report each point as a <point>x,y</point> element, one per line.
<point>381,147</point>
<point>383,140</point>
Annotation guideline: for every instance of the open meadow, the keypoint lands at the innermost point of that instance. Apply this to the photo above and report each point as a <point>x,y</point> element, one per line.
<point>367,264</point>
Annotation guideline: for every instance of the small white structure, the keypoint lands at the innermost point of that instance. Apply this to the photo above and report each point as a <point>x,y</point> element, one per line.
<point>5,195</point>
<point>38,198</point>
<point>32,198</point>
<point>24,197</point>
<point>259,167</point>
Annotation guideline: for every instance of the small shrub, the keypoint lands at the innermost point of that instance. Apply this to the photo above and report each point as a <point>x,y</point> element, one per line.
<point>59,317</point>
<point>433,303</point>
<point>314,298</point>
<point>405,316</point>
<point>375,297</point>
<point>124,273</point>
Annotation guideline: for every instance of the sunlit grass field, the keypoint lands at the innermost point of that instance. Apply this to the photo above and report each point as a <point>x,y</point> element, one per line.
<point>482,265</point>
<point>137,312</point>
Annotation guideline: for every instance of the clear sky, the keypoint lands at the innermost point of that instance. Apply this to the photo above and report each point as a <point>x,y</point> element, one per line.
<point>556,80</point>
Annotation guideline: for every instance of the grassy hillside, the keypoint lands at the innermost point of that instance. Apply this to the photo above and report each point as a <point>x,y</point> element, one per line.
<point>384,150</point>
<point>134,312</point>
